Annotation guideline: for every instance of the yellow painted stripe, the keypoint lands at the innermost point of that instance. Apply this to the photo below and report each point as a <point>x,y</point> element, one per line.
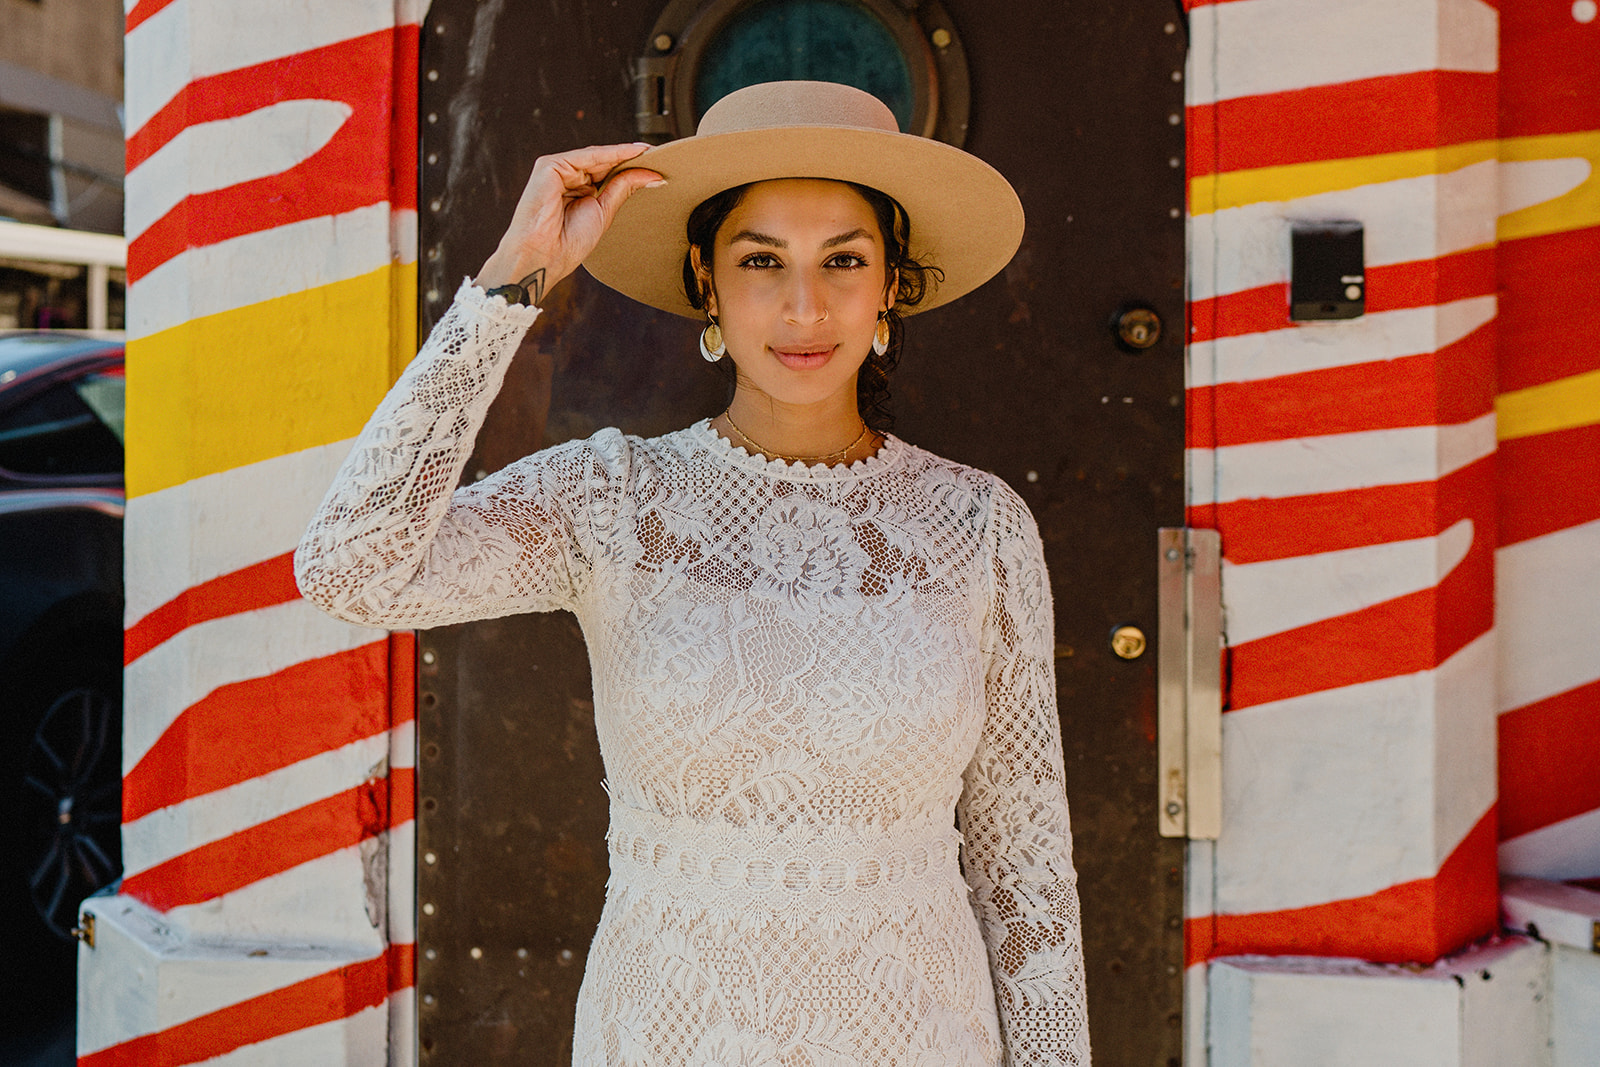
<point>1576,210</point>
<point>1559,405</point>
<point>1238,188</point>
<point>265,380</point>
<point>402,321</point>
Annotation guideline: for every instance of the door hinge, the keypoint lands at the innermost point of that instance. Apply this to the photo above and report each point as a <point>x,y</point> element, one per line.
<point>652,97</point>
<point>1189,683</point>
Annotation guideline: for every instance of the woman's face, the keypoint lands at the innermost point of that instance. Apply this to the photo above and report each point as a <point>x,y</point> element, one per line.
<point>798,283</point>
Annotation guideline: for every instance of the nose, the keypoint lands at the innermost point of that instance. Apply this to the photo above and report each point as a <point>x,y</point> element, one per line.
<point>807,303</point>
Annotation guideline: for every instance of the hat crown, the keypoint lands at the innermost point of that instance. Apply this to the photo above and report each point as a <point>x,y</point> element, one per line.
<point>965,217</point>
<point>796,103</point>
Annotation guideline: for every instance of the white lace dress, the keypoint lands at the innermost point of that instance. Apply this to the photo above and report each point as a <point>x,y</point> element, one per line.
<point>800,673</point>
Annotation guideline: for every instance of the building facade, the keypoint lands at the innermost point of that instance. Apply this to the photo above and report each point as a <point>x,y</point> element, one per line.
<point>1408,504</point>
<point>61,141</point>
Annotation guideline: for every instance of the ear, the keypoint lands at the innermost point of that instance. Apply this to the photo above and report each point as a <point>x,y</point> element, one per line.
<point>891,291</point>
<point>702,274</point>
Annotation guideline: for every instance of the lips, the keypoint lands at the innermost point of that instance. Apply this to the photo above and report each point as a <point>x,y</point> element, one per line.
<point>805,357</point>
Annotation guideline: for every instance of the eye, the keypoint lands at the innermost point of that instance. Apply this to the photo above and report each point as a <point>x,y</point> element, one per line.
<point>848,261</point>
<point>759,261</point>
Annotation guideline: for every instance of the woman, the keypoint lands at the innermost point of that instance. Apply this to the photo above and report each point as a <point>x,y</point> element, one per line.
<point>811,641</point>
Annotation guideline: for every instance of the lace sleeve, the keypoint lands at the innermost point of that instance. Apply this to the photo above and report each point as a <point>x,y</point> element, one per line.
<point>1013,811</point>
<point>391,546</point>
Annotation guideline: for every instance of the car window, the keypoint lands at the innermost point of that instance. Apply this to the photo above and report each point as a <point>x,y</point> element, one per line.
<point>57,432</point>
<point>104,393</point>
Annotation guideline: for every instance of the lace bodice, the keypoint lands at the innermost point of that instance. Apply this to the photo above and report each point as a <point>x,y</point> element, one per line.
<point>799,674</point>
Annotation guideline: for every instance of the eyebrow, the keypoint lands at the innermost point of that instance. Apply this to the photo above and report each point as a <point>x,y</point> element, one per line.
<point>777,242</point>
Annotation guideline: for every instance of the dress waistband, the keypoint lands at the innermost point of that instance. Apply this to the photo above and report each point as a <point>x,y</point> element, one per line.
<point>783,868</point>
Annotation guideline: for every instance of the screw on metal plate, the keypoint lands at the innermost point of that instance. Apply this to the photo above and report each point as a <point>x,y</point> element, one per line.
<point>84,931</point>
<point>1128,642</point>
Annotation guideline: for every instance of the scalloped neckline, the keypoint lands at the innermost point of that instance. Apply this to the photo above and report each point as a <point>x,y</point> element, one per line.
<point>887,455</point>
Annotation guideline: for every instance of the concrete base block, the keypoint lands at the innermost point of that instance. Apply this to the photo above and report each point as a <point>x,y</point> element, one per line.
<point>163,996</point>
<point>1486,1007</point>
<point>1575,1007</point>
<point>1569,918</point>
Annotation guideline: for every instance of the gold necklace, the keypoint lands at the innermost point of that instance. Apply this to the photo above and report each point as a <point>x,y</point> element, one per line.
<point>830,457</point>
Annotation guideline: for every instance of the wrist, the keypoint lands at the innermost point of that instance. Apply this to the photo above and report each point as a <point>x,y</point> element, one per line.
<point>501,270</point>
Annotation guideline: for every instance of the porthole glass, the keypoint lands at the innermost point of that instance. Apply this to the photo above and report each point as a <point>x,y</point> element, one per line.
<point>699,51</point>
<point>814,40</point>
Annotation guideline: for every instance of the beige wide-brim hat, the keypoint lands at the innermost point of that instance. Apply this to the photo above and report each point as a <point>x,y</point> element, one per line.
<point>965,217</point>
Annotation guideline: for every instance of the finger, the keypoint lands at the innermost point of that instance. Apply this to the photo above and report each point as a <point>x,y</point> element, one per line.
<point>595,162</point>
<point>623,184</point>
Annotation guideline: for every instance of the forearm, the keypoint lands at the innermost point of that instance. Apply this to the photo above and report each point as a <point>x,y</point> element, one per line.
<point>1014,811</point>
<point>1019,863</point>
<point>361,556</point>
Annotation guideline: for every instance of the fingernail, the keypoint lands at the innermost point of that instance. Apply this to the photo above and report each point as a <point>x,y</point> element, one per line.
<point>658,183</point>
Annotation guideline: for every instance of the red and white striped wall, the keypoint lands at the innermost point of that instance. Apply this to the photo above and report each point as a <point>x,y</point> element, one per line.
<point>268,750</point>
<point>1349,467</point>
<point>1548,561</point>
<point>1409,502</point>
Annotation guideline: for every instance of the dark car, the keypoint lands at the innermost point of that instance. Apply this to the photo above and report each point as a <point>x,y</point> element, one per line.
<point>61,505</point>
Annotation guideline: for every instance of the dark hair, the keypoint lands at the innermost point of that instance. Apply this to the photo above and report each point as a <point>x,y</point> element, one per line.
<point>872,386</point>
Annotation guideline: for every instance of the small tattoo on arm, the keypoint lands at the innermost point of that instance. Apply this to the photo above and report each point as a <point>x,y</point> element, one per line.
<point>534,284</point>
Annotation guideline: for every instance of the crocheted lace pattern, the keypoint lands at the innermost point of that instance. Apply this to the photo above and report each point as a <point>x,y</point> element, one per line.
<point>801,673</point>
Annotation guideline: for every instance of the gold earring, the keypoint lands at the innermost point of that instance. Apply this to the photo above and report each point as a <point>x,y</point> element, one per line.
<point>712,347</point>
<point>880,337</point>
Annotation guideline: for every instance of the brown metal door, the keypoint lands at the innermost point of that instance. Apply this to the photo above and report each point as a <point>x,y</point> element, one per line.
<point>1079,103</point>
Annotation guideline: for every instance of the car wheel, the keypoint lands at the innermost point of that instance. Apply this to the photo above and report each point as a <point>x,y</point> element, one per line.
<point>70,805</point>
<point>61,801</point>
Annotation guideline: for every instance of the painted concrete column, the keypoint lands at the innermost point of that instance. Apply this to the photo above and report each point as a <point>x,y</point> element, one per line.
<point>268,749</point>
<point>1367,495</point>
<point>1349,466</point>
<point>1548,563</point>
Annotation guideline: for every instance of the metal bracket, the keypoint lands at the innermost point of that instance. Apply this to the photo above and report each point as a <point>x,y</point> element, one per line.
<point>652,96</point>
<point>1189,683</point>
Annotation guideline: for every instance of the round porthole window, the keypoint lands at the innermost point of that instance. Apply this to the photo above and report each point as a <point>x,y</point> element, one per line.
<point>700,52</point>
<point>813,40</point>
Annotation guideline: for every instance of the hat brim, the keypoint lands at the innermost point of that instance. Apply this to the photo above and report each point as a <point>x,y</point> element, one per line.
<point>966,219</point>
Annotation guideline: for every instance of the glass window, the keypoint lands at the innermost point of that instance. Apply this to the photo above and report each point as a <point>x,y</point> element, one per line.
<point>813,40</point>
<point>58,432</point>
<point>25,152</point>
<point>105,394</point>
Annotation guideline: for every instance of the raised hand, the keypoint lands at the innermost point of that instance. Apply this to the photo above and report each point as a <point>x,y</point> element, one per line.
<point>561,215</point>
